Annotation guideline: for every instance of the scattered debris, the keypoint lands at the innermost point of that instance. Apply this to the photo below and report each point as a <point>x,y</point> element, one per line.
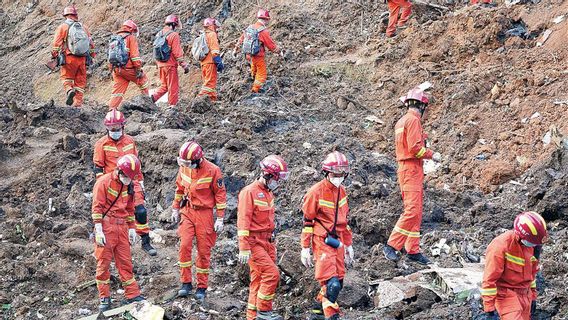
<point>440,247</point>
<point>145,310</point>
<point>85,285</point>
<point>430,166</point>
<point>545,36</point>
<point>457,282</point>
<point>112,312</point>
<point>558,19</point>
<point>307,145</point>
<point>374,119</point>
<point>397,289</point>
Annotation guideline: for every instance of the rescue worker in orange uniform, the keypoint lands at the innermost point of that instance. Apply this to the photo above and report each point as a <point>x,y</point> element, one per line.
<point>113,216</point>
<point>132,71</point>
<point>200,196</point>
<point>508,289</point>
<point>410,151</point>
<point>257,62</point>
<point>168,70</point>
<point>255,225</point>
<point>326,230</point>
<point>74,67</point>
<point>396,8</point>
<point>212,63</point>
<point>108,150</point>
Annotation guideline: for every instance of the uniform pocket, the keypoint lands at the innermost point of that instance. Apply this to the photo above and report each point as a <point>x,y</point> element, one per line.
<point>507,302</point>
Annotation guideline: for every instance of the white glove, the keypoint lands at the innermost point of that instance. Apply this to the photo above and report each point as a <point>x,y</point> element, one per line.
<point>306,257</point>
<point>349,255</point>
<point>234,53</point>
<point>244,257</point>
<point>175,215</point>
<point>218,225</point>
<point>142,186</point>
<point>99,235</point>
<point>437,157</point>
<point>132,236</point>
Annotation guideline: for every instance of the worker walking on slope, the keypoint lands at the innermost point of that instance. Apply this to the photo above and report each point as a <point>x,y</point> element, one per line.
<point>108,150</point>
<point>168,53</point>
<point>410,151</point>
<point>73,48</point>
<point>396,8</point>
<point>113,216</point>
<point>125,63</point>
<point>254,40</point>
<point>511,263</point>
<point>255,225</point>
<point>326,230</point>
<point>212,63</point>
<point>202,198</point>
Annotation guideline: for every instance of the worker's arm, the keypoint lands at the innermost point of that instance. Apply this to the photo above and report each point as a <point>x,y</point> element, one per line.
<point>220,193</point>
<point>130,219</point>
<point>494,266</point>
<point>414,140</point>
<point>213,43</point>
<point>310,208</point>
<point>245,211</point>
<point>58,39</point>
<point>98,159</point>
<point>134,52</point>
<point>347,234</point>
<point>179,191</point>
<point>177,50</point>
<point>98,206</point>
<point>264,37</point>
<point>135,151</point>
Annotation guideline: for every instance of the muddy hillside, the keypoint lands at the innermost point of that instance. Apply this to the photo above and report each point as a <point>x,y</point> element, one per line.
<point>498,116</point>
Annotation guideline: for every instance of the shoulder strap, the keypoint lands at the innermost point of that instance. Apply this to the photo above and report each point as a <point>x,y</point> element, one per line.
<point>336,210</point>
<point>112,204</point>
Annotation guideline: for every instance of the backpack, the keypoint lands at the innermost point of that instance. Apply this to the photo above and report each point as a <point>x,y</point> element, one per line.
<point>251,42</point>
<point>78,41</point>
<point>117,53</point>
<point>200,49</point>
<point>162,50</point>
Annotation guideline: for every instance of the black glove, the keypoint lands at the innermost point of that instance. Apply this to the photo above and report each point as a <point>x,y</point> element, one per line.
<point>491,316</point>
<point>533,307</point>
<point>139,73</point>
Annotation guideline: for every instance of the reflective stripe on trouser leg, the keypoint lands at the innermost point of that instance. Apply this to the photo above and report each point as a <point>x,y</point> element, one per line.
<point>80,80</point>
<point>262,260</point>
<point>209,78</point>
<point>253,291</point>
<point>259,66</point>
<point>186,232</point>
<point>119,87</point>
<point>164,76</point>
<point>123,262</point>
<point>104,258</point>
<point>173,86</point>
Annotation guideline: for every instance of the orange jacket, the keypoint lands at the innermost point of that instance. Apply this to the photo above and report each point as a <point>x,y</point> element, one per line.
<point>134,61</point>
<point>265,40</point>
<point>508,264</point>
<point>410,144</point>
<point>213,45</point>
<point>107,152</point>
<point>60,39</point>
<point>255,213</point>
<point>319,213</point>
<point>176,56</point>
<point>106,190</point>
<point>203,187</point>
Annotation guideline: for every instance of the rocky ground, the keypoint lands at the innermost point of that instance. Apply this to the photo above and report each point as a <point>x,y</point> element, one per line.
<point>496,95</point>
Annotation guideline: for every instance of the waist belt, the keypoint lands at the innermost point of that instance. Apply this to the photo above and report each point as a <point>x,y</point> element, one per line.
<point>518,291</point>
<point>261,234</point>
<point>194,207</point>
<point>114,220</point>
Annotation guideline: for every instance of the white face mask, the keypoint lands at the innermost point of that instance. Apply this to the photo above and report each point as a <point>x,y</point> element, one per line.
<point>125,180</point>
<point>115,135</point>
<point>528,244</point>
<point>336,180</point>
<point>272,184</point>
<point>193,166</point>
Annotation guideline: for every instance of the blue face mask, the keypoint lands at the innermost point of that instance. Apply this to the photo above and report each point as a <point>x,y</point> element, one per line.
<point>115,135</point>
<point>528,244</point>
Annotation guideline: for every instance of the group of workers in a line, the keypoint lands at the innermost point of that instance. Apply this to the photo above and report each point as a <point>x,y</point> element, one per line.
<point>73,50</point>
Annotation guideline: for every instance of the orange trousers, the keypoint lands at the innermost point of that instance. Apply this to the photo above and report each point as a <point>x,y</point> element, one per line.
<point>142,226</point>
<point>118,247</point>
<point>406,232</point>
<point>396,7</point>
<point>196,223</point>
<point>513,305</point>
<point>330,262</point>
<point>74,76</point>
<point>209,76</point>
<point>258,72</point>
<point>169,83</point>
<point>123,77</point>
<point>264,274</point>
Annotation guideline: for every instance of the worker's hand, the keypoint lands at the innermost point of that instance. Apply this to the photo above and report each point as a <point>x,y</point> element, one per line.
<point>99,235</point>
<point>175,215</point>
<point>244,256</point>
<point>349,255</point>
<point>533,307</point>
<point>139,73</point>
<point>491,316</point>
<point>306,257</point>
<point>218,225</point>
<point>437,157</point>
<point>132,236</point>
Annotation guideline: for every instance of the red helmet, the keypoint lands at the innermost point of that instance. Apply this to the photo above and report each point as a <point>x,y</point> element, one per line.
<point>530,226</point>
<point>263,14</point>
<point>275,166</point>
<point>129,165</point>
<point>211,22</point>
<point>190,152</point>
<point>70,10</point>
<point>130,24</point>
<point>172,19</point>
<point>335,162</point>
<point>114,118</point>
<point>415,94</point>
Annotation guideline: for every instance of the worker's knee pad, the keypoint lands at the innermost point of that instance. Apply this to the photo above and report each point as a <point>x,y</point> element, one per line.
<point>141,214</point>
<point>333,288</point>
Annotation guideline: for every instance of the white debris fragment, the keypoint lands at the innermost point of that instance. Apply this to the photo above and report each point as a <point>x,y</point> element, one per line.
<point>440,247</point>
<point>88,195</point>
<point>374,119</point>
<point>83,312</point>
<point>156,238</point>
<point>535,115</point>
<point>545,36</point>
<point>430,166</point>
<point>558,19</point>
<point>547,138</point>
<point>425,86</point>
<point>307,145</point>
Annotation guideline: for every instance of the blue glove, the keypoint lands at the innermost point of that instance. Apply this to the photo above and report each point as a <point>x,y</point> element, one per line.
<point>491,316</point>
<point>219,63</point>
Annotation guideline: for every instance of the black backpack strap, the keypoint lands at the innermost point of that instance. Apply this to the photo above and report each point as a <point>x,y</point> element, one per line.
<point>333,231</point>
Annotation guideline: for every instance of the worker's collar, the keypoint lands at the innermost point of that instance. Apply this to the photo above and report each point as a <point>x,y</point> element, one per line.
<point>415,112</point>
<point>262,185</point>
<point>115,175</point>
<point>329,185</point>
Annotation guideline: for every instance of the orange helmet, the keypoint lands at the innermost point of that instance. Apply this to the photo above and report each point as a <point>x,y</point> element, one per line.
<point>70,10</point>
<point>129,165</point>
<point>275,166</point>
<point>530,226</point>
<point>263,14</point>
<point>114,118</point>
<point>335,162</point>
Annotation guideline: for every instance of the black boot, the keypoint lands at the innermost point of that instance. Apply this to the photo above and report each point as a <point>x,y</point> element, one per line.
<point>268,315</point>
<point>147,246</point>
<point>419,258</point>
<point>200,293</point>
<point>390,253</point>
<point>104,304</point>
<point>316,312</point>
<point>70,95</point>
<point>185,289</point>
<point>136,299</point>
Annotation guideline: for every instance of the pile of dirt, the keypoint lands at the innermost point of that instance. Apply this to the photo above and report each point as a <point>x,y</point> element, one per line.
<point>495,96</point>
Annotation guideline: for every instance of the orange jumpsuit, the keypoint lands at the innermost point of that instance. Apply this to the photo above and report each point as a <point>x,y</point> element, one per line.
<point>255,224</point>
<point>319,217</point>
<point>168,70</point>
<point>509,284</point>
<point>74,71</point>
<point>205,192</point>
<point>106,154</point>
<point>258,64</point>
<point>118,220</point>
<point>396,7</point>
<point>410,150</point>
<point>123,76</point>
<point>208,66</point>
